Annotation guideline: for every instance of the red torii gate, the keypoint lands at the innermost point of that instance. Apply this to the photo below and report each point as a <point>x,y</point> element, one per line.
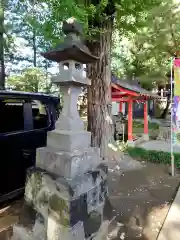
<point>123,91</point>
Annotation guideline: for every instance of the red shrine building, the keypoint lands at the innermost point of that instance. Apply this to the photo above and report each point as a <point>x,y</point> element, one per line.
<point>130,93</point>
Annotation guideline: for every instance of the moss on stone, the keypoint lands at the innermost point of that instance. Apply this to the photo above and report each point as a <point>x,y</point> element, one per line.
<point>61,208</point>
<point>33,186</point>
<point>37,184</point>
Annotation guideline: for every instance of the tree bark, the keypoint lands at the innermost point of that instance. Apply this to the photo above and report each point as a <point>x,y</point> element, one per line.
<point>34,48</point>
<point>99,93</point>
<point>34,38</point>
<point>2,67</point>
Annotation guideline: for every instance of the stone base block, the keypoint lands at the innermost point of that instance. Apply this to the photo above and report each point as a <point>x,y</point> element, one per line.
<point>56,232</point>
<point>21,233</point>
<point>68,140</point>
<point>130,143</point>
<point>67,164</point>
<point>37,232</point>
<point>67,201</point>
<point>145,137</point>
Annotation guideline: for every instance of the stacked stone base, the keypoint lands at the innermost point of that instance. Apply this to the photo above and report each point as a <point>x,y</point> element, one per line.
<point>66,208</point>
<point>77,232</point>
<point>67,189</point>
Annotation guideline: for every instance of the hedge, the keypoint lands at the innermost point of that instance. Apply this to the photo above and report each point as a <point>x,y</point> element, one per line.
<point>139,124</point>
<point>153,156</point>
<point>151,125</point>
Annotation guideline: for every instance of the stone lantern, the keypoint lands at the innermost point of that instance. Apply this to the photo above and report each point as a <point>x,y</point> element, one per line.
<point>68,187</point>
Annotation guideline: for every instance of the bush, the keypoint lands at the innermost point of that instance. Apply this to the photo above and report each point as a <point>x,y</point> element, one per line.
<point>153,156</point>
<point>140,125</point>
<point>151,125</point>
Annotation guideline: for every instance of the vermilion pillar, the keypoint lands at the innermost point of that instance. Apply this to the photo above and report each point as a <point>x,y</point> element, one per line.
<point>130,116</point>
<point>145,118</point>
<point>120,107</point>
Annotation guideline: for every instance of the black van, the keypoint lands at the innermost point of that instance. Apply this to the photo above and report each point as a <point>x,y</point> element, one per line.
<point>25,119</point>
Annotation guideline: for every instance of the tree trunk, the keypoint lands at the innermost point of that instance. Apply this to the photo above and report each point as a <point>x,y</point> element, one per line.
<point>34,38</point>
<point>99,93</point>
<point>34,49</point>
<point>2,68</point>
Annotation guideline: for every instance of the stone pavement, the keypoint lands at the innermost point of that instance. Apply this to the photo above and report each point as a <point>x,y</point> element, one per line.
<point>171,227</point>
<point>123,163</point>
<point>159,145</point>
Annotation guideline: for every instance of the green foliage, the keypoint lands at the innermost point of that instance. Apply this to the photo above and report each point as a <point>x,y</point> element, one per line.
<point>30,80</point>
<point>153,156</point>
<point>137,124</point>
<point>146,25</point>
<point>22,24</point>
<point>148,50</point>
<point>138,60</point>
<point>128,16</point>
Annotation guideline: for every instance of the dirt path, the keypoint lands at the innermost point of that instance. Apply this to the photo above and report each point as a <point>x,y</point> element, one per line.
<point>9,215</point>
<point>140,200</point>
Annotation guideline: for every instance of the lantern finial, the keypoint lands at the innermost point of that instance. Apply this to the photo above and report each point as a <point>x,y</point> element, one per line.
<point>72,48</point>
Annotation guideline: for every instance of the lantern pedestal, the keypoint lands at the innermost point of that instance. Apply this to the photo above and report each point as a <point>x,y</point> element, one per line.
<point>68,187</point>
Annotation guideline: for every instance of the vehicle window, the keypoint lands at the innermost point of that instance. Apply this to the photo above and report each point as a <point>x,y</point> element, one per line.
<point>13,115</point>
<point>40,116</point>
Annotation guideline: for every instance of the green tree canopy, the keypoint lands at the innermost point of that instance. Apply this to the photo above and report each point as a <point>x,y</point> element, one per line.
<point>30,80</point>
<point>99,18</point>
<point>150,49</point>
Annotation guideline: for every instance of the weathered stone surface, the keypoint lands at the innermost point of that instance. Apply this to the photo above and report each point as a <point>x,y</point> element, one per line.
<point>69,119</point>
<point>57,232</point>
<point>103,231</point>
<point>67,164</point>
<point>68,140</point>
<point>69,201</point>
<point>21,233</point>
<point>69,123</point>
<point>72,48</point>
<point>37,191</point>
<point>38,232</point>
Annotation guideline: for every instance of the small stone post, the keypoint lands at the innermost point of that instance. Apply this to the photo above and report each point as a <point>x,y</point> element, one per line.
<point>68,186</point>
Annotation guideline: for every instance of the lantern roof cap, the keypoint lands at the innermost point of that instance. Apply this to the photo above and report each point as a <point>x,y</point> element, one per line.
<point>72,48</point>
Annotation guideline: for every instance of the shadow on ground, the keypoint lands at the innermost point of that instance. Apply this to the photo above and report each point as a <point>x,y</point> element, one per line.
<point>139,201</point>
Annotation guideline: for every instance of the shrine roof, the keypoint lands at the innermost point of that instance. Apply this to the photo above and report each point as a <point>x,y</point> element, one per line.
<point>133,86</point>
